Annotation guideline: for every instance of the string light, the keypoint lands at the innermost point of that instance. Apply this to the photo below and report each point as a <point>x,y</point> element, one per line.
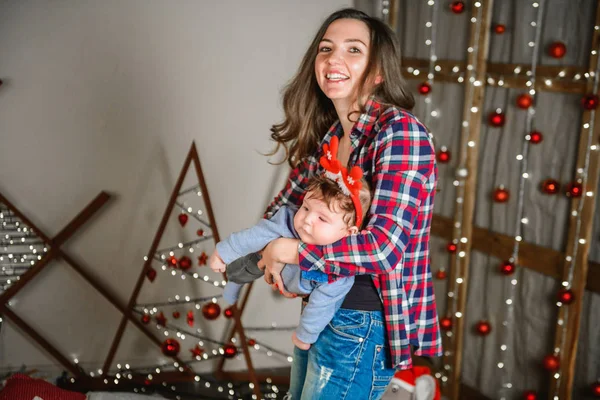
<point>462,173</point>
<point>571,259</point>
<point>522,158</point>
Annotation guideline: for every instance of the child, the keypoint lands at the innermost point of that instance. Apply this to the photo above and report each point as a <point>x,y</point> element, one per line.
<point>333,207</point>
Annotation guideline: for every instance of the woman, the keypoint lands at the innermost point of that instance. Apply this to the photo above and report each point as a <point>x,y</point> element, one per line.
<point>349,85</point>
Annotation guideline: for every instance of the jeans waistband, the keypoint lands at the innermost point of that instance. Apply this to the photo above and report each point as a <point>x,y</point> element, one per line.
<point>373,316</point>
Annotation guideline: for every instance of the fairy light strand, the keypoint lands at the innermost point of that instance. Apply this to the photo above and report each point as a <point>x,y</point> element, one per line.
<point>462,174</point>
<point>572,258</point>
<point>431,41</point>
<point>510,287</point>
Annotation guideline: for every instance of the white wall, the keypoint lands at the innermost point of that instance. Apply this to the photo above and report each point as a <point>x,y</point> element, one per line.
<point>108,95</point>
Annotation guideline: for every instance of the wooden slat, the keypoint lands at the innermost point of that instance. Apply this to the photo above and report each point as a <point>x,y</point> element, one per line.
<point>149,257</point>
<point>6,310</point>
<point>468,157</point>
<point>540,259</point>
<point>498,71</point>
<point>53,243</point>
<point>215,232</point>
<point>567,333</point>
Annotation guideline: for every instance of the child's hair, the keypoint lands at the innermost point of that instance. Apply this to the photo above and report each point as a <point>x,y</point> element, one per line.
<point>330,192</point>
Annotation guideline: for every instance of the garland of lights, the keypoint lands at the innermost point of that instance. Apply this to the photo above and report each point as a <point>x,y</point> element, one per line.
<point>461,174</point>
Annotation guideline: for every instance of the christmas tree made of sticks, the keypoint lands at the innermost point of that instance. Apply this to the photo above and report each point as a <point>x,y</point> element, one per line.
<point>185,320</point>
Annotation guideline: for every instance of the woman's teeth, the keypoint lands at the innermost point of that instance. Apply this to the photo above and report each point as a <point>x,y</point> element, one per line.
<point>336,77</point>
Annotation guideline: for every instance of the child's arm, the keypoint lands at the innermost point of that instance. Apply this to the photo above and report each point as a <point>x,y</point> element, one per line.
<point>324,301</point>
<point>255,238</point>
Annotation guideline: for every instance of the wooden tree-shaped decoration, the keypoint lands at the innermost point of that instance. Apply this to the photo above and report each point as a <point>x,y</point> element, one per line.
<point>185,260</point>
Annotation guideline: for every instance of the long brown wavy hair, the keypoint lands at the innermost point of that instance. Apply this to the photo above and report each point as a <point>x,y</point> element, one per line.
<point>309,113</point>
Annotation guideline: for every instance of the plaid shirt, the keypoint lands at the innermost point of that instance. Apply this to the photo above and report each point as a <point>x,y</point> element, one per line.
<point>398,160</point>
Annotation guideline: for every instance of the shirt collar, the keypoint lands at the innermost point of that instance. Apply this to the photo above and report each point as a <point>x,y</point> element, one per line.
<point>363,126</point>
<point>367,120</point>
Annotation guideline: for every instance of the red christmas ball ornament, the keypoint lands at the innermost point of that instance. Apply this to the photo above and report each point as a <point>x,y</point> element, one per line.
<point>574,189</point>
<point>550,186</point>
<point>446,323</point>
<point>211,311</point>
<point>151,274</point>
<point>251,342</point>
<point>172,261</point>
<point>590,102</point>
<point>185,263</point>
<point>529,395</point>
<point>443,156</point>
<point>499,29</point>
<point>483,328</point>
<point>496,119</point>
<point>566,296</point>
<point>229,350</point>
<point>551,363</point>
<point>200,232</point>
<point>524,101</point>
<point>176,314</point>
<point>183,219</point>
<point>451,247</point>
<point>146,318</point>
<point>424,88</point>
<point>501,195</point>
<point>228,313</point>
<point>441,274</point>
<point>535,137</point>
<point>507,268</point>
<point>170,347</point>
<point>557,50</point>
<point>457,7</point>
<point>595,389</point>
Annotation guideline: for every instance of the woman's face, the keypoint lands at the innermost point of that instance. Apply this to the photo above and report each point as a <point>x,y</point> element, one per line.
<point>342,59</point>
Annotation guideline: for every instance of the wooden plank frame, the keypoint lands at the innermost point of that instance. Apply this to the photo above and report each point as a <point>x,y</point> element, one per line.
<point>54,252</point>
<point>192,157</point>
<point>479,36</point>
<point>580,227</point>
<point>543,260</point>
<point>572,82</point>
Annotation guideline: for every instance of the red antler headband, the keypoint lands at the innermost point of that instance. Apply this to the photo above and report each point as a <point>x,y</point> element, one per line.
<point>349,182</point>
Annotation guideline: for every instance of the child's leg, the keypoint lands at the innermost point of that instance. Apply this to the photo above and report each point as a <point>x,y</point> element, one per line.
<point>231,292</point>
<point>244,269</point>
<point>297,374</point>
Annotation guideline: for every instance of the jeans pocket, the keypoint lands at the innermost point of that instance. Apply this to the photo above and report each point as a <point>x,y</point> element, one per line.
<point>349,324</point>
<point>382,370</point>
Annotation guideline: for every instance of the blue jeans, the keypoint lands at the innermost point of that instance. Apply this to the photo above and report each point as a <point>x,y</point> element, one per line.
<point>350,360</point>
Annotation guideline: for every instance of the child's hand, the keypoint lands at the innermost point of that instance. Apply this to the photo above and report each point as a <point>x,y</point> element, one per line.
<point>299,343</point>
<point>216,263</point>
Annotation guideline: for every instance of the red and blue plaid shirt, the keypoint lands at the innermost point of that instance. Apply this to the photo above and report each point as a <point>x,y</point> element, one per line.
<point>397,157</point>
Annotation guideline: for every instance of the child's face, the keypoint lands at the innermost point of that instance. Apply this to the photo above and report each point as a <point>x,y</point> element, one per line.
<point>317,223</point>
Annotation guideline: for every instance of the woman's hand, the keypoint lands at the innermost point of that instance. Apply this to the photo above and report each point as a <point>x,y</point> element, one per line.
<point>274,257</point>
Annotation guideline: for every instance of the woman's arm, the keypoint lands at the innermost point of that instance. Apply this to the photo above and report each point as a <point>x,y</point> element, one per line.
<point>404,163</point>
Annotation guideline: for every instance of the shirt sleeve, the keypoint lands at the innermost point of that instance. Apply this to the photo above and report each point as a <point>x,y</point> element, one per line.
<point>323,303</point>
<point>293,192</point>
<point>404,159</point>
<point>257,237</point>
